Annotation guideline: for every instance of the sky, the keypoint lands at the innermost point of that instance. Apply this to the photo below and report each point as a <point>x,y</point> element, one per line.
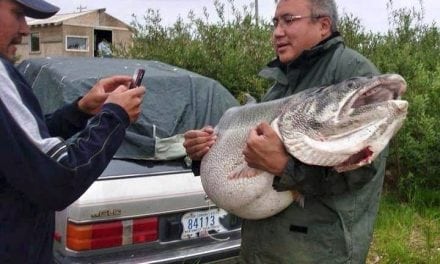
<point>373,14</point>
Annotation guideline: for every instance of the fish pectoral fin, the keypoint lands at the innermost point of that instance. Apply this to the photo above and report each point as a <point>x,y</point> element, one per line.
<point>297,197</point>
<point>243,171</point>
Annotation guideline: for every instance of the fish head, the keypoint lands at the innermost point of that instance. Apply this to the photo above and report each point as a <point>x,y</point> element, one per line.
<point>345,125</point>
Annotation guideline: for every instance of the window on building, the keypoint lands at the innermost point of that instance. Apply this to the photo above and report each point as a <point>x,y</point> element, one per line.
<point>35,41</point>
<point>77,43</point>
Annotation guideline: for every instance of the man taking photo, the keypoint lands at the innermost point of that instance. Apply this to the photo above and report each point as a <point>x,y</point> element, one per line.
<point>39,171</point>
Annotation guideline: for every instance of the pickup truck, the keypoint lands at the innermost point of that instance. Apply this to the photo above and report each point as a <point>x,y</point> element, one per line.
<point>147,206</point>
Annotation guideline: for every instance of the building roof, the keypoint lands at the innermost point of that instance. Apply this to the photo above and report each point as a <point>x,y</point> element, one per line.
<point>60,18</point>
<point>66,18</point>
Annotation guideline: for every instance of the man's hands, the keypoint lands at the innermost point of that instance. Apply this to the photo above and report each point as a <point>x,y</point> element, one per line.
<point>198,142</point>
<point>265,151</point>
<point>129,99</point>
<point>113,90</point>
<point>92,102</point>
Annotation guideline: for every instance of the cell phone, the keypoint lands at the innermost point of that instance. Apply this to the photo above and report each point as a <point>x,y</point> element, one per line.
<point>138,75</point>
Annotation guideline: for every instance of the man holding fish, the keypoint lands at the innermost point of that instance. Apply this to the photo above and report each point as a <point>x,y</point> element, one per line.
<point>335,222</point>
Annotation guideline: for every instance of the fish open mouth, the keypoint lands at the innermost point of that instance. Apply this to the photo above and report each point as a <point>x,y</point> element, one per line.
<point>351,128</point>
<point>362,109</point>
<point>390,87</point>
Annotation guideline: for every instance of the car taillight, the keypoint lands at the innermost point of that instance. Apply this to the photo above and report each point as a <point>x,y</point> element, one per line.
<point>111,234</point>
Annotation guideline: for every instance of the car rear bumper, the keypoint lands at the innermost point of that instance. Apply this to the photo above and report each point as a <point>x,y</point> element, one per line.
<point>206,250</point>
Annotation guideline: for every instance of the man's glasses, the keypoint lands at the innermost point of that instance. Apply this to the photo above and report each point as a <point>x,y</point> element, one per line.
<point>287,20</point>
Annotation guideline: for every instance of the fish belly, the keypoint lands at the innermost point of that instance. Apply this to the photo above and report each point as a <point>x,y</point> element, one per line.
<point>249,197</point>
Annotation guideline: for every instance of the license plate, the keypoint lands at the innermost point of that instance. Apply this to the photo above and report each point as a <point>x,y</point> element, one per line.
<point>200,223</point>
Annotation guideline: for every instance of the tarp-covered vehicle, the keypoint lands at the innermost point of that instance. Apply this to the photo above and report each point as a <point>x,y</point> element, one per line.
<point>147,206</point>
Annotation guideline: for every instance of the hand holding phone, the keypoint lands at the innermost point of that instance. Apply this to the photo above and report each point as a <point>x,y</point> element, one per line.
<point>137,77</point>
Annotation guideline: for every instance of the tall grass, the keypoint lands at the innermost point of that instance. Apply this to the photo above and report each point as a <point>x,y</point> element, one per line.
<point>405,234</point>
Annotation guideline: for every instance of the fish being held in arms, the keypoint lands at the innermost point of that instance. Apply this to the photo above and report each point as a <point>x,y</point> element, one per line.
<point>343,126</point>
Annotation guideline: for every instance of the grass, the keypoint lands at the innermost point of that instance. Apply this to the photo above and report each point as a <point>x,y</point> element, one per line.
<point>405,233</point>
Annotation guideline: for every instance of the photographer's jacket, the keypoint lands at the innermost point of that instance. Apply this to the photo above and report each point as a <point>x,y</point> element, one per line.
<point>39,171</point>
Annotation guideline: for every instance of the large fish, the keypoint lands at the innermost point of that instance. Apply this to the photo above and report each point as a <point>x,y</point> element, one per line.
<point>343,126</point>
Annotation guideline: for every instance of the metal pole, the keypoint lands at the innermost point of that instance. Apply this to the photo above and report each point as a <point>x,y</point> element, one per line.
<point>256,12</point>
<point>81,8</point>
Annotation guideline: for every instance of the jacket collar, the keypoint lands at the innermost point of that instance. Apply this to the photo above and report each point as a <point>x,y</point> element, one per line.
<point>276,70</point>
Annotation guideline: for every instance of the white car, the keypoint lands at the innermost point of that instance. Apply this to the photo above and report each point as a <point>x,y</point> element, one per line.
<point>147,206</point>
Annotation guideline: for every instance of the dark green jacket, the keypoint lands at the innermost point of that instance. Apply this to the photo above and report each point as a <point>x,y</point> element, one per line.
<point>336,223</point>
